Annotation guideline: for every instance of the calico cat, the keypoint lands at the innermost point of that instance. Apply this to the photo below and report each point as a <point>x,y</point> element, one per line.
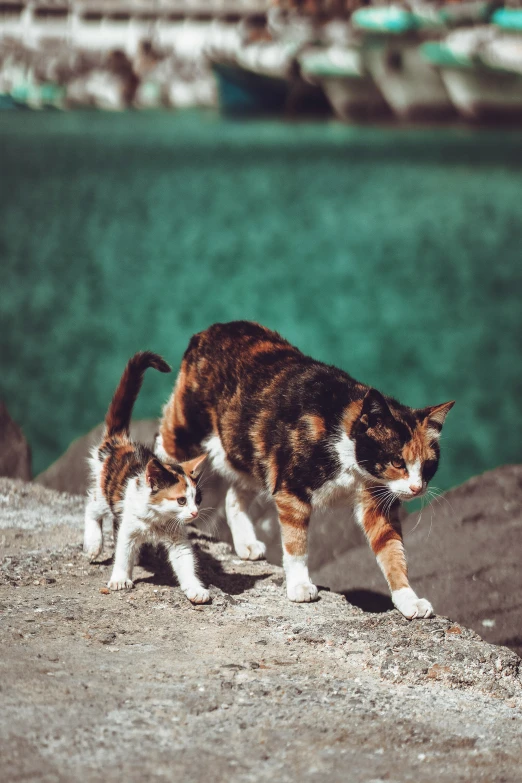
<point>149,500</point>
<point>275,420</point>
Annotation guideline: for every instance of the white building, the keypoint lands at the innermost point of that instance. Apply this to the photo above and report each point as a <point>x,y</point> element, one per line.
<point>186,25</point>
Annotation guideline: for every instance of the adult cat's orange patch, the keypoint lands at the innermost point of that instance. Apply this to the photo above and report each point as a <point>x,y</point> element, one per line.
<point>315,424</point>
<point>272,473</point>
<point>295,540</point>
<point>392,473</point>
<point>351,414</point>
<point>292,510</point>
<point>261,347</point>
<point>385,538</point>
<point>418,448</point>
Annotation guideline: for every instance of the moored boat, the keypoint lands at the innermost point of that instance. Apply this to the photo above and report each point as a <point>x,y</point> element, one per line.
<point>482,69</point>
<point>411,86</point>
<point>348,85</point>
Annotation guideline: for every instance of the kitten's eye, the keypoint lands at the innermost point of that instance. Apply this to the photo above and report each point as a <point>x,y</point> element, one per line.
<point>198,498</point>
<point>398,463</point>
<point>182,501</point>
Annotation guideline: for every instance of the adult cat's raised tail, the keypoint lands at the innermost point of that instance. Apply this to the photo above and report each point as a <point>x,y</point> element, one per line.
<point>119,414</point>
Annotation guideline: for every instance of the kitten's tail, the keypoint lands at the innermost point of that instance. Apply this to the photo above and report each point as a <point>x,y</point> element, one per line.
<point>119,414</point>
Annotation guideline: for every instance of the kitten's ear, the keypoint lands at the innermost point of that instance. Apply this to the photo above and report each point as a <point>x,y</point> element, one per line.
<point>436,415</point>
<point>156,475</point>
<point>375,408</point>
<point>193,467</point>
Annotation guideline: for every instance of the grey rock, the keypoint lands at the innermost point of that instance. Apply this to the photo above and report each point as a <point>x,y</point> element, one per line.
<point>463,555</point>
<point>69,472</point>
<point>15,454</point>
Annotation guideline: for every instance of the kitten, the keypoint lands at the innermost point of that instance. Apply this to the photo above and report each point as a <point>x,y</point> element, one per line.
<point>275,420</point>
<point>149,501</point>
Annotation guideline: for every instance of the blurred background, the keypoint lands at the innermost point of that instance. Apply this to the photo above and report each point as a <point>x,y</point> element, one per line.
<point>346,175</point>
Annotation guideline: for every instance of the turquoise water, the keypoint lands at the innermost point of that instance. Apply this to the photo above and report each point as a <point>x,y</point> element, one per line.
<point>392,253</point>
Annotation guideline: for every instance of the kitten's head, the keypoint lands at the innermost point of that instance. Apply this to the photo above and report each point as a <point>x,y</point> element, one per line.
<point>173,488</point>
<point>399,446</point>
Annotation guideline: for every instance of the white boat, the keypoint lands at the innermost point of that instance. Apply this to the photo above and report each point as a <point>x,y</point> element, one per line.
<point>410,84</point>
<point>482,70</point>
<point>350,88</point>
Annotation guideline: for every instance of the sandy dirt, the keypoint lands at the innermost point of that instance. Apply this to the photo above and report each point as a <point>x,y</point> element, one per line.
<point>143,686</point>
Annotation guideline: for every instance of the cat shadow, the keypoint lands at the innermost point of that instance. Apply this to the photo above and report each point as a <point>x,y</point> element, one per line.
<point>368,600</point>
<point>209,568</point>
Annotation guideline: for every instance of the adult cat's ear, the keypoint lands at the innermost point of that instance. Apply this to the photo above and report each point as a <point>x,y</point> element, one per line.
<point>156,475</point>
<point>374,409</point>
<point>435,416</point>
<point>193,467</point>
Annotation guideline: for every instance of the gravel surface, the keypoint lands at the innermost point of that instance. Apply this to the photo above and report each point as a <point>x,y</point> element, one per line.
<point>143,686</point>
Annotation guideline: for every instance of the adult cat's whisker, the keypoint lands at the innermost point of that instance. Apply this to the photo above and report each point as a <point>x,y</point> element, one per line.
<point>431,523</point>
<point>439,496</point>
<point>423,506</point>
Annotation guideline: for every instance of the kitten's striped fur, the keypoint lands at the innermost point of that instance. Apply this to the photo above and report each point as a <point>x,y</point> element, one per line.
<point>147,499</point>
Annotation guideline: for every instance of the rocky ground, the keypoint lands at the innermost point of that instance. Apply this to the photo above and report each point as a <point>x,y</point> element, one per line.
<point>143,686</point>
<point>463,554</point>
<point>463,550</point>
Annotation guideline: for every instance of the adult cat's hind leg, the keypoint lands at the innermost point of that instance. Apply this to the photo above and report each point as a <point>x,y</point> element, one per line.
<point>246,544</point>
<point>294,516</point>
<point>93,531</point>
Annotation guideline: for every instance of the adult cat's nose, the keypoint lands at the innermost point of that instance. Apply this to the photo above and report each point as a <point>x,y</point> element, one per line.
<point>415,489</point>
<point>193,514</point>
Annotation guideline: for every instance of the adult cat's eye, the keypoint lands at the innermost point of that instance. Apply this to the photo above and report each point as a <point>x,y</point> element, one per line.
<point>398,463</point>
<point>182,501</point>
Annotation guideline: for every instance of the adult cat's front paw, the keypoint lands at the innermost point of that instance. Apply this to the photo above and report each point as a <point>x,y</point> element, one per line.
<point>255,550</point>
<point>302,592</point>
<point>197,594</point>
<point>410,605</point>
<point>120,583</point>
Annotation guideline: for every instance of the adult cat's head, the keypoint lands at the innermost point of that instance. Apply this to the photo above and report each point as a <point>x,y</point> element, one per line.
<point>398,446</point>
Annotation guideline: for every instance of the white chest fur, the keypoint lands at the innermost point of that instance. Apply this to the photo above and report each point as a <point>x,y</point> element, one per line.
<point>343,488</point>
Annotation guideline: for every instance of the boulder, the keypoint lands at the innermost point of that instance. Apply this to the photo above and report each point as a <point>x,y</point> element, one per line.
<point>69,472</point>
<point>463,555</point>
<point>15,453</point>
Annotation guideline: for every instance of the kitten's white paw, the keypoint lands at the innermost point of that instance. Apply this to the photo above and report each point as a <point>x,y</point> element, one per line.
<point>120,583</point>
<point>256,550</point>
<point>303,592</point>
<point>197,594</point>
<point>410,605</point>
<point>92,554</point>
<point>92,542</point>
